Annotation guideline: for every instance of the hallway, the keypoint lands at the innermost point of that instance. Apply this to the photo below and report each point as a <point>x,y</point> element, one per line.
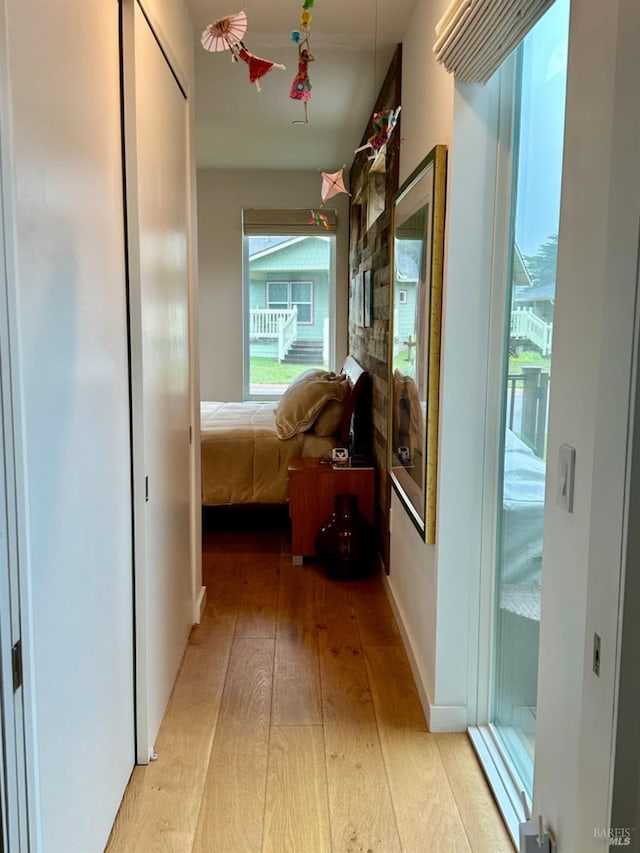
<point>295,726</point>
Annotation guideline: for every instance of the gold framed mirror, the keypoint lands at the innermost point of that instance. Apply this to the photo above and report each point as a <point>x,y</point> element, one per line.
<point>417,253</point>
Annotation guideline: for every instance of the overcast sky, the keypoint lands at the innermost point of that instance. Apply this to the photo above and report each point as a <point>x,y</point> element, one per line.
<point>542,124</point>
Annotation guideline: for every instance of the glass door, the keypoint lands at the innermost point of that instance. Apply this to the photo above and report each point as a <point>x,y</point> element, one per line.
<point>532,250</point>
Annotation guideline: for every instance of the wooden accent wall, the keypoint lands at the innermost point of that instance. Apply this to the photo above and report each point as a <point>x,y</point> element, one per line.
<point>373,186</point>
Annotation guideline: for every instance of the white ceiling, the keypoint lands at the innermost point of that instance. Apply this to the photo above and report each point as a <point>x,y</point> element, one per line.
<point>239,127</point>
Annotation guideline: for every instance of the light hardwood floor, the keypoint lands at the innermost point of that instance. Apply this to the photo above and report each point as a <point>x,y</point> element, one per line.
<point>295,727</point>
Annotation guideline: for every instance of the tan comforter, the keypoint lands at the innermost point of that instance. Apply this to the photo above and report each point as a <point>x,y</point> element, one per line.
<point>243,460</point>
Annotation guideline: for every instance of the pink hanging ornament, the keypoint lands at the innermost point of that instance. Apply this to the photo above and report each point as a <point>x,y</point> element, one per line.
<point>225,32</point>
<point>333,184</point>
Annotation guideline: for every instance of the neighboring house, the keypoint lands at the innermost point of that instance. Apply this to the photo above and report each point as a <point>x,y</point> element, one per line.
<point>532,314</point>
<point>406,280</point>
<point>538,298</point>
<point>288,276</point>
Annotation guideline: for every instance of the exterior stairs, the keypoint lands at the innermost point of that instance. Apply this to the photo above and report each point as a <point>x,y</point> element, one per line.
<point>304,352</point>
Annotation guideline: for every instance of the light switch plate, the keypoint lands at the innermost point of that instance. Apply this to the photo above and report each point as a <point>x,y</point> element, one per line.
<point>566,476</point>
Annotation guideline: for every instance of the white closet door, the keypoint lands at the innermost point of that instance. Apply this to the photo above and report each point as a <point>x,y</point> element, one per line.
<point>161,141</point>
<point>73,356</point>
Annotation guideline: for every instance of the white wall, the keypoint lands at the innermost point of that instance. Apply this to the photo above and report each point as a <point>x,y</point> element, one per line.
<point>221,196</point>
<point>427,89</point>
<point>427,118</point>
<point>72,408</point>
<point>170,20</point>
<point>593,340</point>
<point>70,354</point>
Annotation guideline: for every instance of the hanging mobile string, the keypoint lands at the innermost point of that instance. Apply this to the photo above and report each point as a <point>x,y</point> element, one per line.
<point>383,122</point>
<point>375,52</point>
<point>301,86</point>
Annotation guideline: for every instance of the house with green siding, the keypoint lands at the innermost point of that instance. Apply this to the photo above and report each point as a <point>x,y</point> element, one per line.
<point>407,270</point>
<point>289,293</point>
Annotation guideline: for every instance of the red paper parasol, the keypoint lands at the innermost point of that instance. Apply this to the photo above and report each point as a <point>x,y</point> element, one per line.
<point>224,32</point>
<point>332,184</point>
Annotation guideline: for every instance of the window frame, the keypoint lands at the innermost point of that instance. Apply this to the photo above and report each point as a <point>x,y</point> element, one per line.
<point>305,231</point>
<point>500,184</point>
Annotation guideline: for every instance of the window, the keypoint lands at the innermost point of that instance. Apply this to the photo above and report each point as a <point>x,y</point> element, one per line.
<point>292,294</point>
<point>289,296</point>
<point>526,371</point>
<point>402,297</point>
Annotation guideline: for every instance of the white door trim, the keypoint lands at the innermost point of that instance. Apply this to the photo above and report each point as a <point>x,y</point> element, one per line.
<point>20,789</point>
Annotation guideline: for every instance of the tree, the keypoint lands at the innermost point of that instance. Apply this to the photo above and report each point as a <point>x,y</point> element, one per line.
<point>542,266</point>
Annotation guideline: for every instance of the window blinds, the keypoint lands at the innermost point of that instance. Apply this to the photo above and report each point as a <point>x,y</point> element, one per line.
<point>474,37</point>
<point>259,221</point>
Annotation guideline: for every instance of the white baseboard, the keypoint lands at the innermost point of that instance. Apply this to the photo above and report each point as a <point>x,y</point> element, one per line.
<point>440,718</point>
<point>447,718</point>
<point>201,603</point>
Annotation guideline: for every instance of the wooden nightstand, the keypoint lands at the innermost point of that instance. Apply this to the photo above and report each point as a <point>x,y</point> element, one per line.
<point>312,488</point>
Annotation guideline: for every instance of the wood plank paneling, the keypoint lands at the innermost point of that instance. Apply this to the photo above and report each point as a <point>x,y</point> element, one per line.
<point>296,683</point>
<point>232,809</point>
<point>297,812</point>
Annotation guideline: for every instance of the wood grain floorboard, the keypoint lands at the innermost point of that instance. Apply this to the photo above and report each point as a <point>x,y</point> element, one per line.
<point>232,809</point>
<point>376,623</point>
<point>417,777</point>
<point>297,808</point>
<point>484,826</point>
<point>257,613</point>
<point>360,806</point>
<point>159,812</point>
<point>224,575</point>
<point>296,682</point>
<point>309,739</point>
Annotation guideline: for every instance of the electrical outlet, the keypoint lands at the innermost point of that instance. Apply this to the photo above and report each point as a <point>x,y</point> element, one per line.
<point>596,654</point>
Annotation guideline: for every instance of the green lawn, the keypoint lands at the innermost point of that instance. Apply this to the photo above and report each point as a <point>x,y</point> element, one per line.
<point>401,362</point>
<point>529,359</point>
<point>267,371</point>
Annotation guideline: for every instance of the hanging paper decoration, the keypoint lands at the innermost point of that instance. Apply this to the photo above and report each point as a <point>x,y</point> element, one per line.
<point>333,184</point>
<point>301,86</point>
<point>317,218</point>
<point>226,34</point>
<point>257,67</point>
<point>383,125</point>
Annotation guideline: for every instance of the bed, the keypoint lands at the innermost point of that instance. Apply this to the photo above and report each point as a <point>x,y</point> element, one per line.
<point>246,450</point>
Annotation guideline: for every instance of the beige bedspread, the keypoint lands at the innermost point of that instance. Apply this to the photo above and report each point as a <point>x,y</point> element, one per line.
<point>243,460</point>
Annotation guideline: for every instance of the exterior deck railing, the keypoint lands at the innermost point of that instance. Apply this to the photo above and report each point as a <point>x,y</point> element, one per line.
<point>281,324</point>
<point>527,407</point>
<point>526,324</point>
